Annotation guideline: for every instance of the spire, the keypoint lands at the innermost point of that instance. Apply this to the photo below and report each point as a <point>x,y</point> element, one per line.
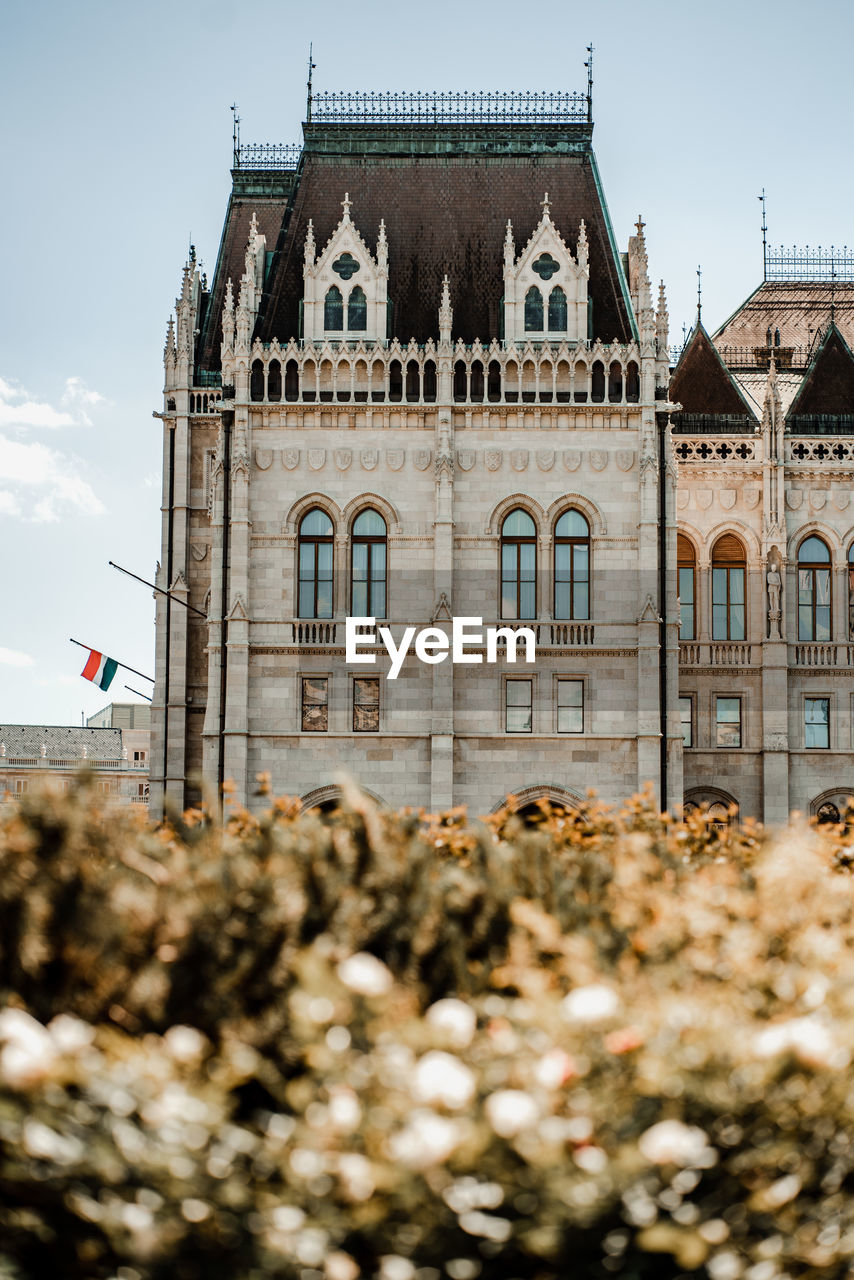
<point>382,250</point>
<point>581,251</point>
<point>661,319</point>
<point>345,205</point>
<point>310,246</point>
<point>169,348</point>
<point>228,318</point>
<point>446,314</point>
<point>545,203</point>
<point>509,246</point>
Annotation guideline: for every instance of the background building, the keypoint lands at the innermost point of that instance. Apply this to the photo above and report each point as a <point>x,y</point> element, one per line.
<point>424,382</point>
<point>765,443</point>
<point>114,745</point>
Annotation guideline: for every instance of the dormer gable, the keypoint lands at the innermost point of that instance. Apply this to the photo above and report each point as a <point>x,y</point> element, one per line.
<point>828,385</point>
<point>345,288</point>
<point>545,288</point>
<point>704,386</point>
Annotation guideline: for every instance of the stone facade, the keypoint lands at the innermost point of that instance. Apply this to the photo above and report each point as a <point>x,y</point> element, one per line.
<point>113,746</point>
<point>518,464</point>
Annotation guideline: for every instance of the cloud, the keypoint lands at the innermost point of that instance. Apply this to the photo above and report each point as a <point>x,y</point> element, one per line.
<point>41,483</point>
<point>12,658</point>
<point>19,409</point>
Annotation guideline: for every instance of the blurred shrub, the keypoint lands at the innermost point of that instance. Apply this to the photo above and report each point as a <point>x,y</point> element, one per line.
<point>397,1046</point>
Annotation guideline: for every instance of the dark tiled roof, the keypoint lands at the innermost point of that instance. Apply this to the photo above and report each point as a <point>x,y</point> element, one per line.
<point>268,201</point>
<point>798,308</point>
<point>701,383</point>
<point>828,387</point>
<point>63,742</point>
<point>445,213</point>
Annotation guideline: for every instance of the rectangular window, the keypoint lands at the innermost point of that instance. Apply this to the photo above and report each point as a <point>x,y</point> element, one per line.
<point>686,716</point>
<point>518,704</point>
<point>686,603</point>
<point>570,706</point>
<point>138,757</point>
<point>21,785</point>
<point>728,722</point>
<point>817,722</point>
<point>728,619</point>
<point>366,704</point>
<point>315,704</point>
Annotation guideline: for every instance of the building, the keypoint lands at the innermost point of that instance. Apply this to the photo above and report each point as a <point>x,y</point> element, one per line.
<point>425,383</point>
<point>114,746</point>
<point>765,444</point>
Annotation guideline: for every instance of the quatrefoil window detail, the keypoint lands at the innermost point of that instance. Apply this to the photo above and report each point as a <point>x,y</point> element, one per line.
<point>345,266</point>
<point>545,266</point>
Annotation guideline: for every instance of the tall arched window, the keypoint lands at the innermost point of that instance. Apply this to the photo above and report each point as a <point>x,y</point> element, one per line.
<point>315,565</point>
<point>518,566</point>
<point>686,567</point>
<point>368,565</point>
<point>333,309</point>
<point>357,309</point>
<point>813,590</point>
<point>728,589</point>
<point>534,310</point>
<point>572,566</point>
<point>557,310</point>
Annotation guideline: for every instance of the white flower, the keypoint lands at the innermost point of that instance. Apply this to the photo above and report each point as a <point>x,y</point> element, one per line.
<point>47,1144</point>
<point>594,1003</point>
<point>442,1078</point>
<point>509,1111</point>
<point>672,1142</point>
<point>553,1069</point>
<point>455,1018</point>
<point>29,1051</point>
<point>345,1111</point>
<point>70,1035</point>
<point>427,1139</point>
<point>357,1174</point>
<point>340,1266</point>
<point>394,1267</point>
<point>591,1159</point>
<point>808,1038</point>
<point>483,1224</point>
<point>365,974</point>
<point>185,1044</point>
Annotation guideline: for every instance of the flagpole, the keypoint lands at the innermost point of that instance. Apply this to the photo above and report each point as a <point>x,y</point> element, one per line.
<point>138,693</point>
<point>124,665</point>
<point>146,583</point>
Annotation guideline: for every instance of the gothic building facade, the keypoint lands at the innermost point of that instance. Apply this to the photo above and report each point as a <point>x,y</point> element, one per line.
<point>425,384</point>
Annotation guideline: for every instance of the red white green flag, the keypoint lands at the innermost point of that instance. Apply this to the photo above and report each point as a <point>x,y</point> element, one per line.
<point>99,669</point>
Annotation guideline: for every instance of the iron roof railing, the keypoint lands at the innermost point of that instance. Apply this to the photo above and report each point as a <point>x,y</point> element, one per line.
<point>449,108</point>
<point>266,155</point>
<point>810,264</point>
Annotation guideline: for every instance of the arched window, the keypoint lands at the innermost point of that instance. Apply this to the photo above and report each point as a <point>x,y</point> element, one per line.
<point>256,381</point>
<point>813,590</point>
<point>518,566</point>
<point>534,310</point>
<point>686,567</point>
<point>333,309</point>
<point>557,310</point>
<point>274,381</point>
<point>357,309</point>
<point>827,813</point>
<point>728,589</point>
<point>572,566</point>
<point>315,565</point>
<point>368,566</point>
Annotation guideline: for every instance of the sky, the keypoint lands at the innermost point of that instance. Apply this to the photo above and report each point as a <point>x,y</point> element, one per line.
<point>116,146</point>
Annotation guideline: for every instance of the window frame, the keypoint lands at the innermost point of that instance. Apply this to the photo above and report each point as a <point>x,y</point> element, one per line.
<point>572,541</point>
<point>691,721</point>
<point>729,567</point>
<point>369,540</point>
<point>517,541</point>
<point>306,677</point>
<point>372,680</point>
<point>315,540</point>
<point>816,697</point>
<point>517,680</point>
<point>582,683</point>
<point>684,565</point>
<point>729,697</point>
<point>529,297</point>
<point>812,568</point>
<point>357,328</point>
<point>330,328</point>
<point>558,328</point>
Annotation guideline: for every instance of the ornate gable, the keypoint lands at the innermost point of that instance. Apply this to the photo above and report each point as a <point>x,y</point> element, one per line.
<point>701,382</point>
<point>345,289</point>
<point>545,288</point>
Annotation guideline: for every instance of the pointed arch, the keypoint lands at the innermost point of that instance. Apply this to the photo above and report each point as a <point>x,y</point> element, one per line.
<point>303,505</point>
<point>385,508</point>
<point>555,792</point>
<point>322,797</point>
<point>585,505</point>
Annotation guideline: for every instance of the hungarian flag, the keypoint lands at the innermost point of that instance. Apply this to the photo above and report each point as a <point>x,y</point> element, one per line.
<point>99,669</point>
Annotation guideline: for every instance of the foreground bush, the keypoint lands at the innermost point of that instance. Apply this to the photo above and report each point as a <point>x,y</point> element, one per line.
<point>611,1045</point>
